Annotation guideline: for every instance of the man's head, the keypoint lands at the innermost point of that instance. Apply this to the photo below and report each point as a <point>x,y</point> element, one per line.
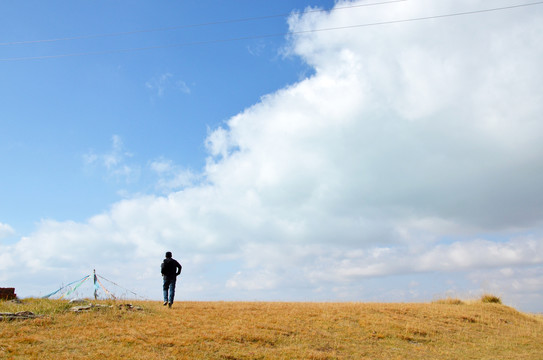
<point>169,255</point>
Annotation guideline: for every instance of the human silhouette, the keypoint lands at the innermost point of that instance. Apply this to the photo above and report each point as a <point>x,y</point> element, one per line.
<point>170,269</point>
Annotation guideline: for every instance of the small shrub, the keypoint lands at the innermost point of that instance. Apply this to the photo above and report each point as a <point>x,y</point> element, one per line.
<point>449,301</point>
<point>490,299</point>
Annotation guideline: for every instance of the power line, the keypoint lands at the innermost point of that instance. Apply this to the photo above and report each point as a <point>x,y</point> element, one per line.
<point>421,18</point>
<point>220,22</point>
<point>206,42</point>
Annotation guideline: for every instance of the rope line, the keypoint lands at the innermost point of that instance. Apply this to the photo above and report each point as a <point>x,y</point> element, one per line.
<point>103,287</point>
<point>73,282</point>
<point>75,287</point>
<point>97,284</point>
<point>130,291</point>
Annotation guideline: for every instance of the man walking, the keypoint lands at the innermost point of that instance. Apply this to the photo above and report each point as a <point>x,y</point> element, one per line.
<point>169,268</point>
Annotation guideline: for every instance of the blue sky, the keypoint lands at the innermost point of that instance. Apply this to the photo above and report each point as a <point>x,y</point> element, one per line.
<point>160,101</point>
<point>393,162</point>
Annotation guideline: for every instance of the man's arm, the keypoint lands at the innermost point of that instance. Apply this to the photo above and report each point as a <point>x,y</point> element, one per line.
<point>179,267</point>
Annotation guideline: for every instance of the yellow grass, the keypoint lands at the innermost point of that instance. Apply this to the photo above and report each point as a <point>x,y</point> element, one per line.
<point>262,330</point>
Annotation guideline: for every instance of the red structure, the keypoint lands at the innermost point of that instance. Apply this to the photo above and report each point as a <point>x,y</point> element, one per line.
<point>7,294</point>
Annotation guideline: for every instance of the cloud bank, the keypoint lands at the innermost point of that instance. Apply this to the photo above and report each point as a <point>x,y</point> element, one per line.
<point>413,152</point>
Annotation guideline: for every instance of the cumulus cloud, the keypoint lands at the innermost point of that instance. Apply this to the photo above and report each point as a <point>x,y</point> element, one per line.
<point>171,176</point>
<point>6,230</point>
<point>114,161</point>
<point>415,148</point>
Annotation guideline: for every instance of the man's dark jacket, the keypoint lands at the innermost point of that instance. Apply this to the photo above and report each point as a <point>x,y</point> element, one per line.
<point>170,268</point>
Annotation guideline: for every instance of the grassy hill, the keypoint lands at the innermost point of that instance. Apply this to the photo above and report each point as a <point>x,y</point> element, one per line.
<point>264,330</point>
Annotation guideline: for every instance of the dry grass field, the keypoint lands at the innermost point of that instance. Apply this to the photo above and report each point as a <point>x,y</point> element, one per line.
<point>262,330</point>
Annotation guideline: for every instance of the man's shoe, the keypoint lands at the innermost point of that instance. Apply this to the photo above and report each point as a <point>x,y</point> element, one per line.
<point>170,305</point>
<point>165,303</point>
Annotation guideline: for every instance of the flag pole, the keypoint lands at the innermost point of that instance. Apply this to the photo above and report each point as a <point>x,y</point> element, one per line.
<point>95,286</point>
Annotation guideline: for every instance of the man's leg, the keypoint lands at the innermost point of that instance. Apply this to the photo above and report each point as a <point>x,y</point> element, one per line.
<point>172,292</point>
<point>165,287</point>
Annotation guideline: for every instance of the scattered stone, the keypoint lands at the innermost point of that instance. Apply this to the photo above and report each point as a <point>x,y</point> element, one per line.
<point>21,315</point>
<point>130,307</point>
<point>88,307</point>
<point>78,301</point>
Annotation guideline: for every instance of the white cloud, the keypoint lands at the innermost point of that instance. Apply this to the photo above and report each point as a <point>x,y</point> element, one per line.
<point>114,162</point>
<point>414,148</point>
<point>261,280</point>
<point>257,48</point>
<point>170,176</point>
<point>158,85</point>
<point>521,287</point>
<point>459,256</point>
<point>182,86</point>
<point>6,230</point>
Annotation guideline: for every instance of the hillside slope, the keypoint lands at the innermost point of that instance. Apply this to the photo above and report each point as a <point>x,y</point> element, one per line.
<point>262,330</point>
